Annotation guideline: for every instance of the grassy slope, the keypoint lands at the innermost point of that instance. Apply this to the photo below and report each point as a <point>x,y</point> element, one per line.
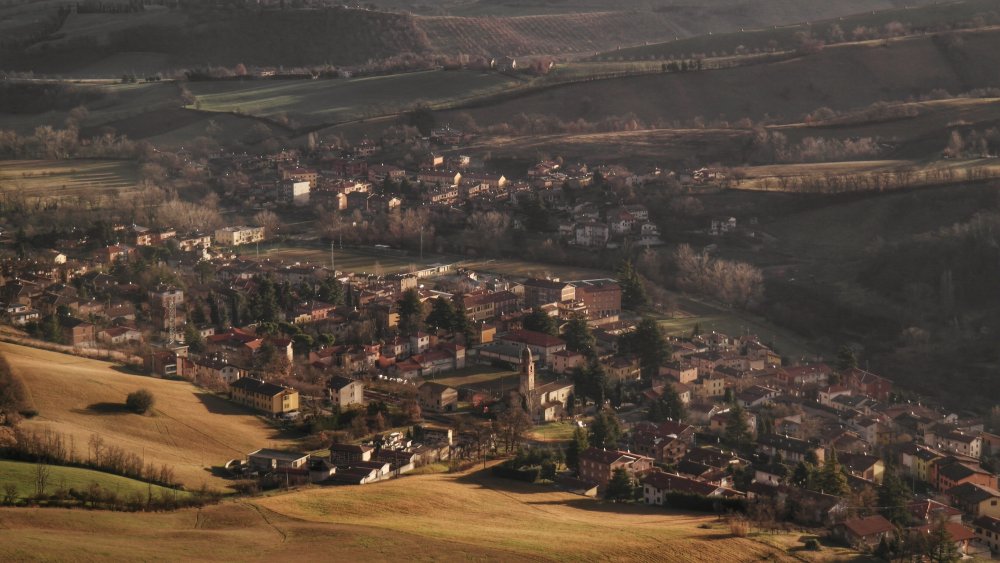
<point>784,36</point>
<point>842,78</point>
<point>424,518</point>
<point>23,476</point>
<point>66,178</point>
<point>188,430</point>
<point>326,101</point>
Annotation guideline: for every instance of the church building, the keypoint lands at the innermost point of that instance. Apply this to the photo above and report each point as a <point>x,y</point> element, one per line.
<point>544,403</point>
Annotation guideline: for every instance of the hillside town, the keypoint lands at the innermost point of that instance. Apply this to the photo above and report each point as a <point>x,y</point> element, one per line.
<point>474,364</point>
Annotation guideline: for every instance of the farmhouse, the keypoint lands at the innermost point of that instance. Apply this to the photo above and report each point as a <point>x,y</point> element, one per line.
<point>865,531</point>
<point>267,460</point>
<point>267,397</point>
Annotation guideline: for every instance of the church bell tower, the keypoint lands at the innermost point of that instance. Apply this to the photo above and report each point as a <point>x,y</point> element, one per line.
<point>527,383</point>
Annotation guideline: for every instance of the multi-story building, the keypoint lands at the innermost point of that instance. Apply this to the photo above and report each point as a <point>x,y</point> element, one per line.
<point>603,298</point>
<point>267,397</point>
<point>538,292</point>
<point>236,236</point>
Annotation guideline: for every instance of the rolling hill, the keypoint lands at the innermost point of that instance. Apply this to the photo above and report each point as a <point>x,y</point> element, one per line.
<point>841,77</point>
<point>190,429</point>
<point>422,518</point>
<point>159,39</point>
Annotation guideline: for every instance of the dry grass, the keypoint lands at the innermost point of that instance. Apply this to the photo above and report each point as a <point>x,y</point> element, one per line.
<point>189,430</point>
<point>433,517</point>
<point>67,178</point>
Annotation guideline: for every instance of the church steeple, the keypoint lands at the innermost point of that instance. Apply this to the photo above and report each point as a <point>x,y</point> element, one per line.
<point>527,383</point>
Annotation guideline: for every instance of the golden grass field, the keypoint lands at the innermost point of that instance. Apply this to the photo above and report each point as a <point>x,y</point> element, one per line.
<point>434,517</point>
<point>189,429</point>
<point>67,178</point>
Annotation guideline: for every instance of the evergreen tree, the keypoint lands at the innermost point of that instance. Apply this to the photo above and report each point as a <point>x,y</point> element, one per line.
<point>846,359</point>
<point>647,342</point>
<point>442,315</point>
<point>410,312</point>
<point>540,321</point>
<point>939,545</point>
<point>579,337</point>
<point>577,445</point>
<point>633,292</point>
<point>832,479</point>
<point>619,487</point>
<point>893,496</point>
<point>802,476</point>
<point>737,431</point>
<point>605,430</point>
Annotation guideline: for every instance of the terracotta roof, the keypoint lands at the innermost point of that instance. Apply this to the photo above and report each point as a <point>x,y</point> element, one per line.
<point>670,482</point>
<point>864,527</point>
<point>252,385</point>
<point>957,531</point>
<point>532,338</point>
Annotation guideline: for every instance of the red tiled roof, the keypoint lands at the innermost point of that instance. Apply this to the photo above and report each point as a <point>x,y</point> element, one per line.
<point>864,527</point>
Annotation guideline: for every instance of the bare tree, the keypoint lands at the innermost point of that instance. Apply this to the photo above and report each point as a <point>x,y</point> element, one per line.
<point>269,220</point>
<point>41,479</point>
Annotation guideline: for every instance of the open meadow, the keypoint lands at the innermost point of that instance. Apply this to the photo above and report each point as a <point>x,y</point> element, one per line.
<point>348,259</point>
<point>433,517</point>
<point>188,429</point>
<point>23,474</point>
<point>67,178</point>
<point>311,102</point>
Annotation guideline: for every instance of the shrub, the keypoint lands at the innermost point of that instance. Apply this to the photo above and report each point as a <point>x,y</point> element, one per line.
<point>813,545</point>
<point>140,401</point>
<point>739,527</point>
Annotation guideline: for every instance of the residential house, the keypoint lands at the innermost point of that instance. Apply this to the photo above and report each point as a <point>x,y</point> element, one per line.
<point>598,465</point>
<point>119,335</point>
<point>267,460</point>
<point>76,332</point>
<point>959,534</point>
<point>591,234</point>
<point>930,511</point>
<point>345,392</point>
<point>867,467</point>
<point>976,500</point>
<point>757,396</point>
<point>868,383</point>
<point>792,450</point>
<point>267,397</point>
<point>865,532</point>
<point>656,486</point>
<point>437,397</point>
<point>950,472</point>
<point>565,361</point>
<point>918,461</point>
<point>987,530</point>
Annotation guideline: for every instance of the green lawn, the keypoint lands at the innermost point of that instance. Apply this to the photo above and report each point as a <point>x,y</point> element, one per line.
<point>553,432</point>
<point>348,259</point>
<point>22,475</point>
<point>713,318</point>
<point>481,377</point>
<point>332,101</point>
